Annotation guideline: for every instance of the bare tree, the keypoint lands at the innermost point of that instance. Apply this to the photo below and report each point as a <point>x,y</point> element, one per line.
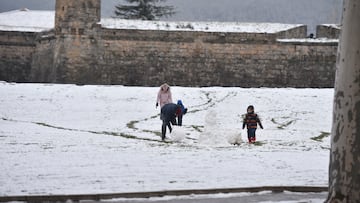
<point>344,169</point>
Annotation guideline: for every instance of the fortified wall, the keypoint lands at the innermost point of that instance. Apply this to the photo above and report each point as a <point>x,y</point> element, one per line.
<point>328,31</point>
<point>16,51</point>
<point>80,50</point>
<point>220,59</point>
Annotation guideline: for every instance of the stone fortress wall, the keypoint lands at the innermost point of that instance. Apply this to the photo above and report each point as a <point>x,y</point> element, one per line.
<point>79,50</point>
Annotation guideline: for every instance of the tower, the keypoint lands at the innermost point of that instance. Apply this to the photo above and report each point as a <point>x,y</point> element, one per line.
<point>79,17</point>
<point>78,39</point>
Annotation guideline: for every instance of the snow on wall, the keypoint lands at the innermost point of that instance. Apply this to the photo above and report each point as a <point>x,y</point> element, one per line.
<point>114,23</point>
<point>337,26</point>
<point>25,20</point>
<point>310,40</point>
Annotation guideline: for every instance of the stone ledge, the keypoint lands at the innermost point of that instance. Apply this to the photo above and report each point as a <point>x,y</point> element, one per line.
<point>78,197</point>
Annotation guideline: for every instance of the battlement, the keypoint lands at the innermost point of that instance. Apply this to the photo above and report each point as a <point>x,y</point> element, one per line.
<point>328,31</point>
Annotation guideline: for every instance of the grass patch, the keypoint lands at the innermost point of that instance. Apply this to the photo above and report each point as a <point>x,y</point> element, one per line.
<point>197,128</point>
<point>152,117</point>
<point>157,133</point>
<point>131,124</point>
<point>282,125</point>
<point>259,143</point>
<point>55,127</point>
<point>321,136</point>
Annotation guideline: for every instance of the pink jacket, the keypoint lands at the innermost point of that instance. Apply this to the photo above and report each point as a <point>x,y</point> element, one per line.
<point>164,95</point>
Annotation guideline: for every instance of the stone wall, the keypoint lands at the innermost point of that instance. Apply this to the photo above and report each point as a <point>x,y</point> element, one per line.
<point>79,51</point>
<point>76,57</point>
<point>42,62</point>
<point>149,58</point>
<point>138,57</point>
<point>328,31</point>
<point>307,64</point>
<point>16,50</point>
<point>296,33</point>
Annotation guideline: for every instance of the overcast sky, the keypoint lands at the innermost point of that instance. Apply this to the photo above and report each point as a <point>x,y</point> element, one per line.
<point>309,12</point>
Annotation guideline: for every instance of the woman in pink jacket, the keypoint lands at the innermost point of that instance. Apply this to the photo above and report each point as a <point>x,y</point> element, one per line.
<point>164,95</point>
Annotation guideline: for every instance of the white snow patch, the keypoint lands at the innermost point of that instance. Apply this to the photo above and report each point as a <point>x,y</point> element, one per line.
<point>239,27</point>
<point>337,26</point>
<point>234,137</point>
<point>215,134</point>
<point>310,40</point>
<point>178,134</point>
<point>37,21</point>
<point>25,20</point>
<point>211,134</point>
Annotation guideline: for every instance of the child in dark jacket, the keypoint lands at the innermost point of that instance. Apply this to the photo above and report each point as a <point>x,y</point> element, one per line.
<point>251,120</point>
<point>169,113</point>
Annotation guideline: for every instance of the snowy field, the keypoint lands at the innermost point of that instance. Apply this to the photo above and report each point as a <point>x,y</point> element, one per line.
<point>68,139</point>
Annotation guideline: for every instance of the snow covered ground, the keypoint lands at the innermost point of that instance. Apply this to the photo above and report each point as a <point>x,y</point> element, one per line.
<point>68,139</point>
